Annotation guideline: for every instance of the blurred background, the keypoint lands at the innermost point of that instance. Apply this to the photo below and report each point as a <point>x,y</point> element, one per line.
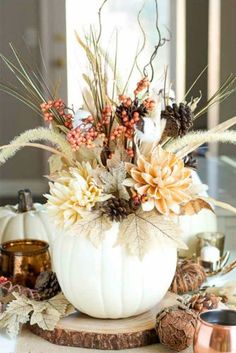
<point>202,33</point>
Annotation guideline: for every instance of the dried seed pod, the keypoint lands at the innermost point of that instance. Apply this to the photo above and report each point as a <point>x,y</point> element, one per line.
<point>202,302</point>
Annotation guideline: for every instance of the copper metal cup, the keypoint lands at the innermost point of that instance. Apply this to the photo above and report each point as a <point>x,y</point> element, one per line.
<point>216,332</point>
<point>22,260</point>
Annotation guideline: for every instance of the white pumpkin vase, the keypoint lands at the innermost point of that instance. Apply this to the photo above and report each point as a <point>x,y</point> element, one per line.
<point>108,282</point>
<point>26,220</point>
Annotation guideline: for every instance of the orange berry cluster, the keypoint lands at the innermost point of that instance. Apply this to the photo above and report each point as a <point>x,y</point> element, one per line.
<point>130,152</point>
<point>106,115</point>
<point>50,108</point>
<point>78,137</point>
<point>117,132</point>
<point>84,134</point>
<point>149,104</point>
<point>129,123</point>
<point>128,114</point>
<point>141,85</point>
<point>126,101</point>
<point>138,199</point>
<point>3,279</point>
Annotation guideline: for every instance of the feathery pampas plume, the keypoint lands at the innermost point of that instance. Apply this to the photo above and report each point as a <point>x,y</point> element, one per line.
<point>43,134</point>
<point>200,137</point>
<point>191,146</point>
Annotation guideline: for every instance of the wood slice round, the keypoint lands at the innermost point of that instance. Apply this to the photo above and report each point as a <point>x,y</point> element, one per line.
<point>80,330</point>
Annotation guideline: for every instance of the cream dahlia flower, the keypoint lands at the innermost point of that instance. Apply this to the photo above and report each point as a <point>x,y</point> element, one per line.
<point>72,194</point>
<point>163,181</point>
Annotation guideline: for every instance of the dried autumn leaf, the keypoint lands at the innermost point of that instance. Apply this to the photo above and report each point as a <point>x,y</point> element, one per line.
<point>61,304</point>
<point>16,313</point>
<point>45,314</point>
<point>7,299</point>
<point>194,207</point>
<point>112,181</point>
<point>55,164</point>
<point>119,155</point>
<point>86,226</point>
<point>139,230</point>
<point>46,319</point>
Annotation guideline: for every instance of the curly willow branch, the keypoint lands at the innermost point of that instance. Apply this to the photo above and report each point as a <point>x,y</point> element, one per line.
<point>100,21</point>
<point>200,137</point>
<point>161,42</point>
<point>43,134</point>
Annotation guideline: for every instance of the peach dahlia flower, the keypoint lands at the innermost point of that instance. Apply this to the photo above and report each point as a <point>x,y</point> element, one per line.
<point>163,179</point>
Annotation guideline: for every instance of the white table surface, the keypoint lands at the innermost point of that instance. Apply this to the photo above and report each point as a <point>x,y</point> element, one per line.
<point>29,343</point>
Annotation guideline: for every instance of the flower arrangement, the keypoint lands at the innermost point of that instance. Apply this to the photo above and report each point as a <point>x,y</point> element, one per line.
<point>122,157</point>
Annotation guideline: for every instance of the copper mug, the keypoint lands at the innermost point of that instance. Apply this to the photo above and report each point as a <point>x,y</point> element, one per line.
<point>216,332</point>
<point>22,260</point>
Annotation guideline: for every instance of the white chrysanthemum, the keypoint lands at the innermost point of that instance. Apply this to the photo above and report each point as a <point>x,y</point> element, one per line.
<point>72,193</point>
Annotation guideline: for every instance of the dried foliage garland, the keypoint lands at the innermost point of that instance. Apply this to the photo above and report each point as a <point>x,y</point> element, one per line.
<point>45,314</point>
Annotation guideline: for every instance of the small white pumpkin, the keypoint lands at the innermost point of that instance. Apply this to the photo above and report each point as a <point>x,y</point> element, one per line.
<point>108,282</point>
<point>25,220</point>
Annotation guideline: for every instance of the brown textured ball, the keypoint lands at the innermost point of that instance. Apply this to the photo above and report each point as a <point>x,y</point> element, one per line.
<point>189,277</point>
<point>175,327</point>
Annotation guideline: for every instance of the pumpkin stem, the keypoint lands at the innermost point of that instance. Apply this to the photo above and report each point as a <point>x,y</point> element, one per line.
<point>25,201</point>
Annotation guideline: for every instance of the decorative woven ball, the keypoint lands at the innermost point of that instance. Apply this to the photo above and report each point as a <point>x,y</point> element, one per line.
<point>175,327</point>
<point>189,277</point>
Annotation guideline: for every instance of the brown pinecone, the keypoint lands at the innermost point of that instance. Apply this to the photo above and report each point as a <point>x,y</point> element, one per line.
<point>203,302</point>
<point>179,119</point>
<point>190,161</point>
<point>189,277</point>
<point>47,285</point>
<point>175,327</point>
<point>116,209</point>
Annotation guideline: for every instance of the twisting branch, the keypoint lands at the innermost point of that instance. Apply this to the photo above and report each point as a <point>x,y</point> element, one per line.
<point>100,21</point>
<point>144,37</point>
<point>161,42</point>
<point>165,81</point>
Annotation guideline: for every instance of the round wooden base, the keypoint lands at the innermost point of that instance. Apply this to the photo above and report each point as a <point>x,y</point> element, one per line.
<point>79,330</point>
